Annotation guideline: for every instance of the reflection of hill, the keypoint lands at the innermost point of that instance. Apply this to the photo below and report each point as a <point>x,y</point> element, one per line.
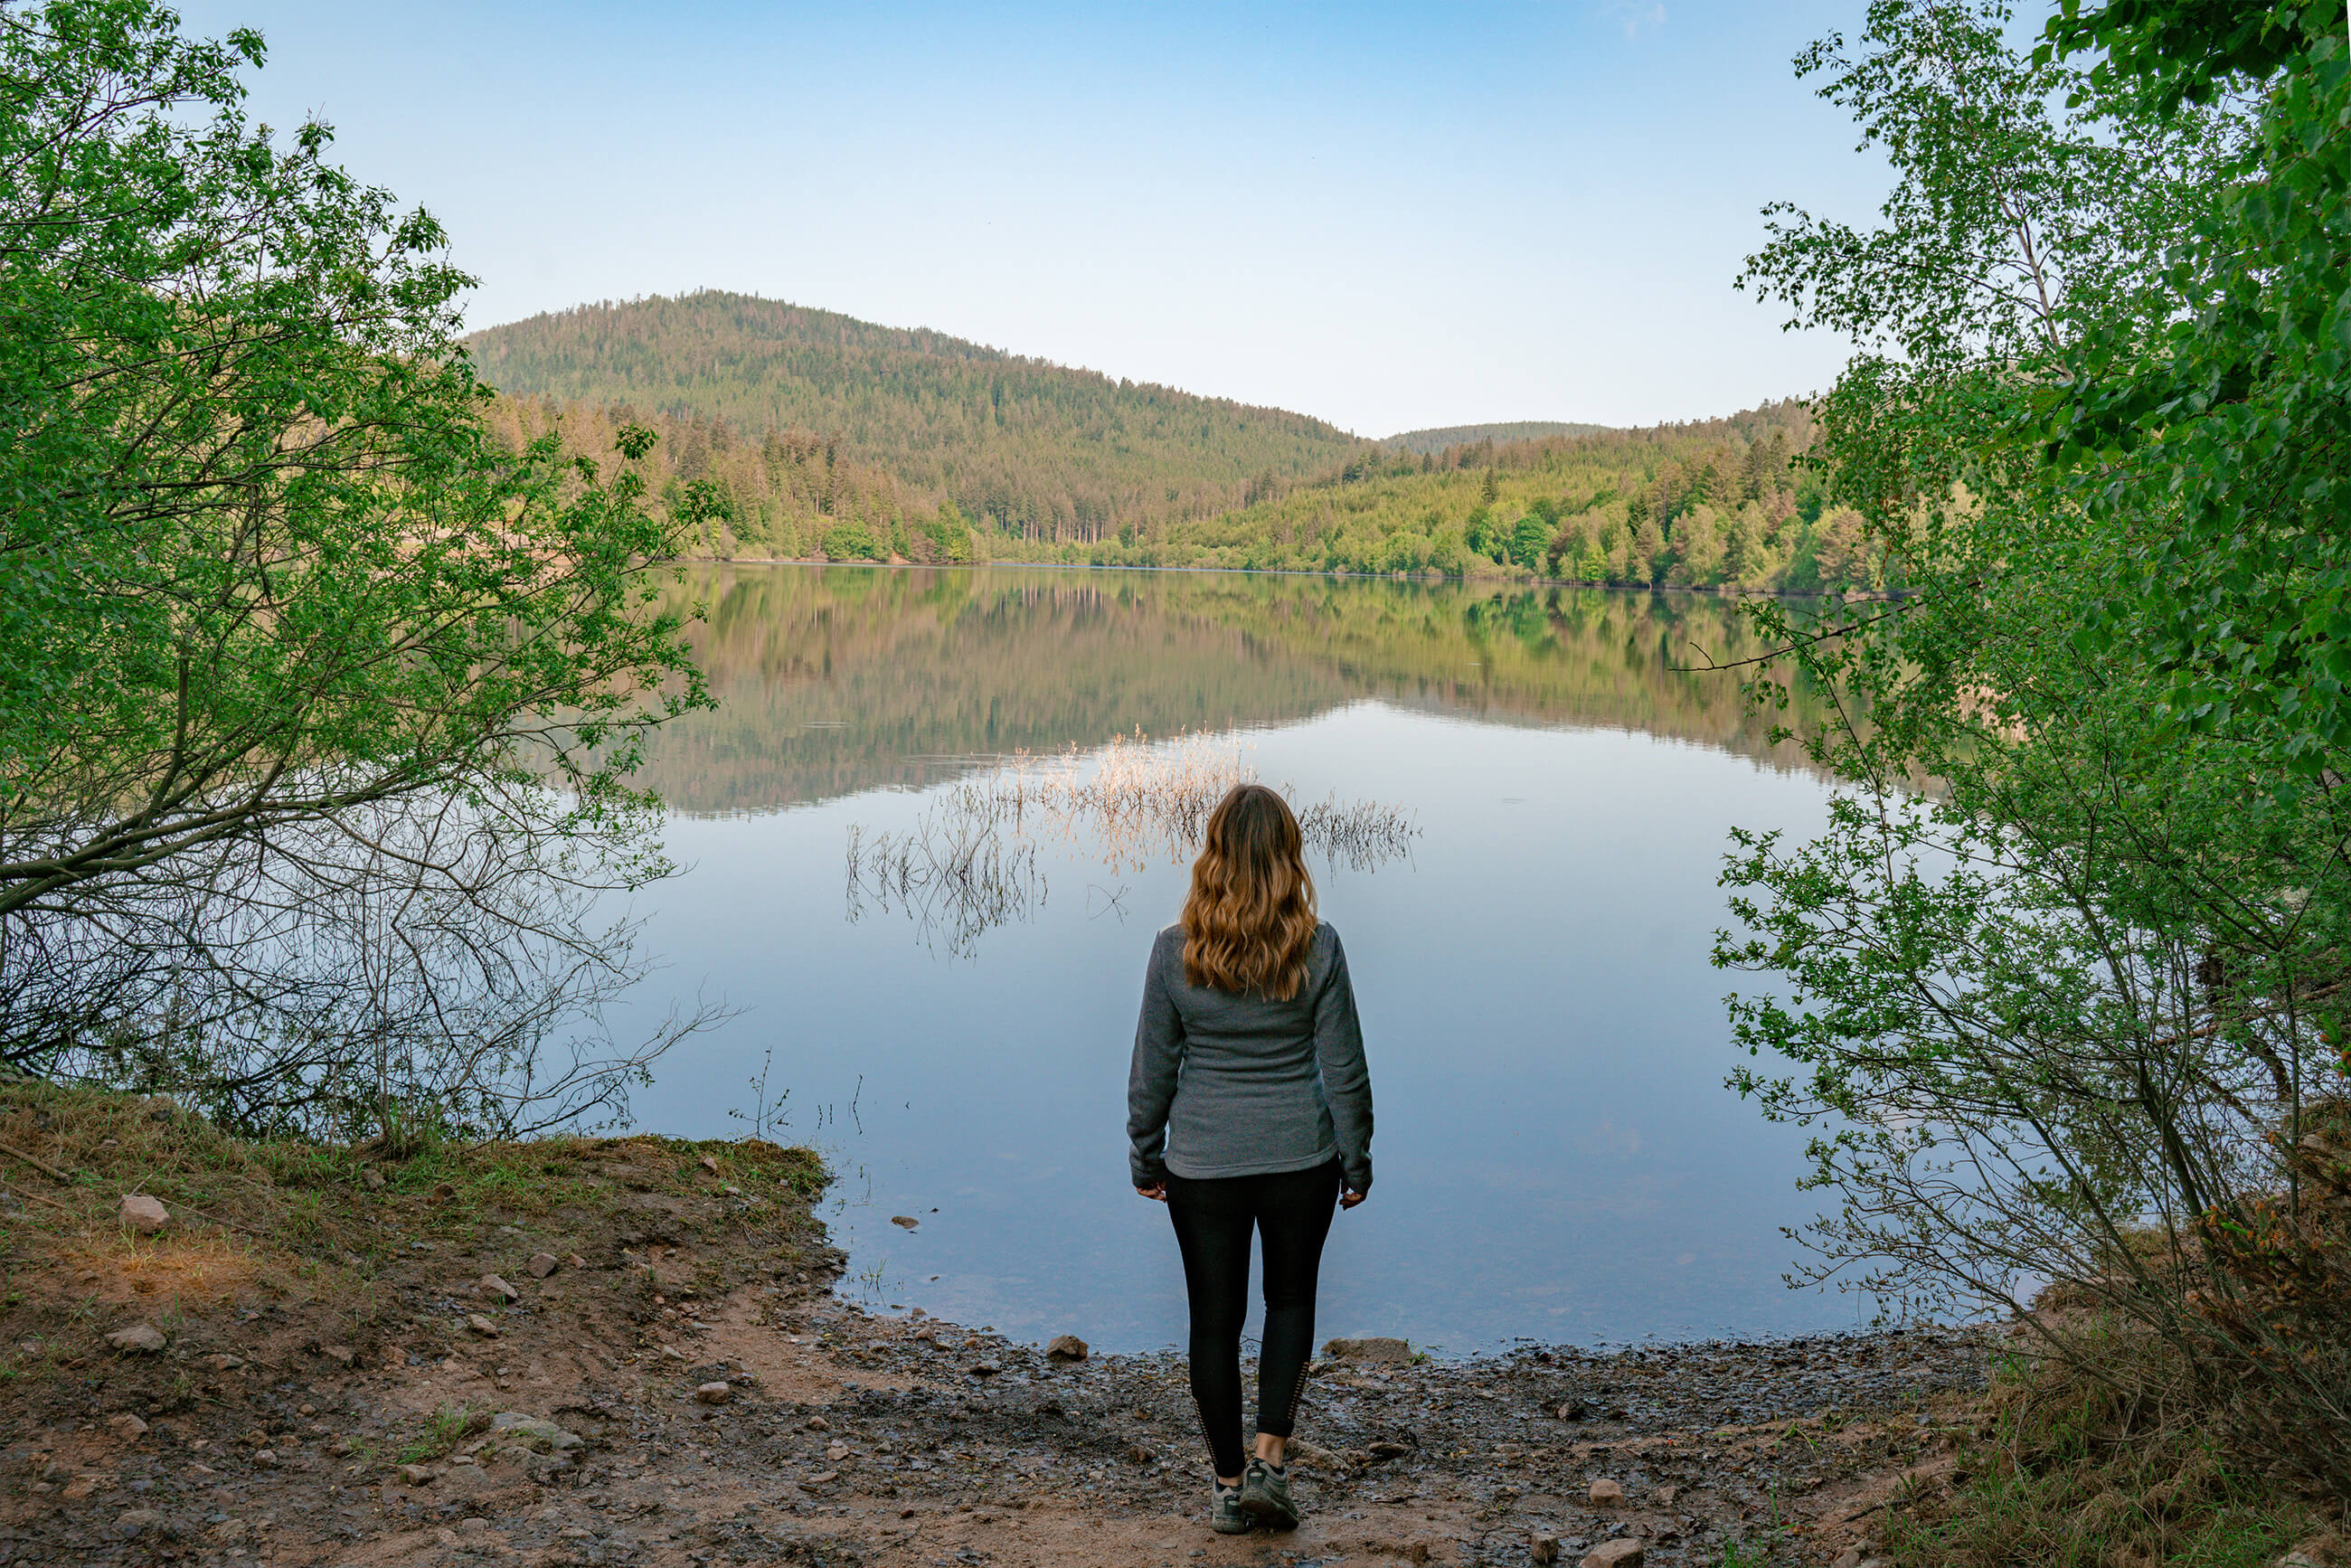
<point>833,680</point>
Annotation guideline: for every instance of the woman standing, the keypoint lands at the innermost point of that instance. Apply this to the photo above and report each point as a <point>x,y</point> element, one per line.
<point>1249,1107</point>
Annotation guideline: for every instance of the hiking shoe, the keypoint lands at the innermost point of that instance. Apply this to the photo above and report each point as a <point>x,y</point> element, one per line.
<point>1225,1515</point>
<point>1265,1496</point>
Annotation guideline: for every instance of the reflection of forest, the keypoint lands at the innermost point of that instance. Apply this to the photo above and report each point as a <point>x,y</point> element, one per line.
<point>836,679</point>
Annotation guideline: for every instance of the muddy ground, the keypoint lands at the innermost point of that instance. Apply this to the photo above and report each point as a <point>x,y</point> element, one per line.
<point>700,1395</point>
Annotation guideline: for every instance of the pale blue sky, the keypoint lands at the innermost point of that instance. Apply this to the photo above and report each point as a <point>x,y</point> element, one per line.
<point>1390,215</point>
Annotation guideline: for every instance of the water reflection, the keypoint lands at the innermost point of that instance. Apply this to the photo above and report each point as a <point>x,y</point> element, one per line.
<point>834,680</point>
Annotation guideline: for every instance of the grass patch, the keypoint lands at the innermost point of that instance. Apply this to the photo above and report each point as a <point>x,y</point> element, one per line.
<point>2073,1472</point>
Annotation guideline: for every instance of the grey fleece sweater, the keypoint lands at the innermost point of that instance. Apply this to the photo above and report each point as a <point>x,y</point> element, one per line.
<point>1227,1086</point>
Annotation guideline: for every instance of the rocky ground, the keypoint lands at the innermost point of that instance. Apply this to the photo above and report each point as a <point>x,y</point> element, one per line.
<point>659,1373</point>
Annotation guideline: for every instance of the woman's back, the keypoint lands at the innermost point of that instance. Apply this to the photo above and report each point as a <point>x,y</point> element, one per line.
<point>1248,1084</point>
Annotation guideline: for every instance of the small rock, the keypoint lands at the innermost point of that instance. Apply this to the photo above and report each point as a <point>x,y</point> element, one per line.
<point>1313,1457</point>
<point>1389,1451</point>
<point>132,1523</point>
<point>575,1261</point>
<point>78,1488</point>
<point>1606,1493</point>
<point>817,1424</point>
<point>481,1325</point>
<point>343,1447</point>
<point>474,1525</point>
<point>2318,1551</point>
<point>138,1338</point>
<point>710,1164</point>
<point>1543,1549</point>
<point>1625,1552</point>
<point>715,1392</point>
<point>541,1436</point>
<point>418,1474</point>
<point>541,1265</point>
<point>497,1288</point>
<point>1574,1410</point>
<point>671,1352</point>
<point>905,1222</point>
<point>143,1214</point>
<point>127,1426</point>
<point>340,1354</point>
<point>821,1478</point>
<point>221,1360</point>
<point>1136,1454</point>
<point>836,1452</point>
<point>1376,1349</point>
<point>267,1459</point>
<point>1668,1496</point>
<point>1065,1347</point>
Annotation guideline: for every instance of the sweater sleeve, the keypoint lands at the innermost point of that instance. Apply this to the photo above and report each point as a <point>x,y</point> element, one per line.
<point>1151,1078</point>
<point>1346,1077</point>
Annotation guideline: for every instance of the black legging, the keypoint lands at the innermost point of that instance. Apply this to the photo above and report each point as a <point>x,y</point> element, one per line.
<point>1213,1218</point>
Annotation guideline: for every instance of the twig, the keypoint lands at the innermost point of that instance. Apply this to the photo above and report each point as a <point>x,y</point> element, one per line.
<point>46,1170</point>
<point>37,1197</point>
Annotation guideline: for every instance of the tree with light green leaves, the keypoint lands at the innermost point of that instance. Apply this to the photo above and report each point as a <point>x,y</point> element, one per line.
<point>2073,1018</point>
<point>276,613</point>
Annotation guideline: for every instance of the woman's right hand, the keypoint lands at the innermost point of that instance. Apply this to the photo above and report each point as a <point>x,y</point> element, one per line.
<point>1156,1192</point>
<point>1349,1199</point>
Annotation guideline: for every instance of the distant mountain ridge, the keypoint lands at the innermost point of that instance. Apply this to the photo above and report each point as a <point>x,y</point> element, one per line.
<point>1035,449</point>
<point>1436,440</point>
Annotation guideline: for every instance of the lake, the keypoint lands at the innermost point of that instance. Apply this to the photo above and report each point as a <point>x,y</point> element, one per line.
<point>1555,1157</point>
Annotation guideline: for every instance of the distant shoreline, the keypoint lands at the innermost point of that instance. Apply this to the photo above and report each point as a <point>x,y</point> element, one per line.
<point>1426,579</point>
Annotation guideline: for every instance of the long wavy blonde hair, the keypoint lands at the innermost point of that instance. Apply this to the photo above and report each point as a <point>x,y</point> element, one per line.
<point>1250,923</point>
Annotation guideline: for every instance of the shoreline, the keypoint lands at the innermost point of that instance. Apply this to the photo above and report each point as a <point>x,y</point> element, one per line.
<point>630,1351</point>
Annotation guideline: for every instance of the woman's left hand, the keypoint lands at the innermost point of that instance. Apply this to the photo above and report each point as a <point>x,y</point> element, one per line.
<point>1156,1192</point>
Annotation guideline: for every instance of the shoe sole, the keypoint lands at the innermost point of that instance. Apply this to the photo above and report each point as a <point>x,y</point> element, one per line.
<point>1270,1514</point>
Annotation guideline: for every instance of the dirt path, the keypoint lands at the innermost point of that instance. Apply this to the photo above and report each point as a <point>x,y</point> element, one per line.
<point>696,1395</point>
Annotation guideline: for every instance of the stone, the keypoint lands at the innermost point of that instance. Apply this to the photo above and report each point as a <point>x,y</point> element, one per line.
<point>836,1452</point>
<point>1390,1450</point>
<point>1848,1558</point>
<point>905,1222</point>
<point>715,1392</point>
<point>1312,1455</point>
<point>1136,1454</point>
<point>127,1426</point>
<point>1376,1349</point>
<point>1606,1493</point>
<point>474,1524</point>
<point>532,1432</point>
<point>143,1214</point>
<point>418,1474</point>
<point>671,1352</point>
<point>138,1338</point>
<point>481,1325</point>
<point>817,1424</point>
<point>1065,1347</point>
<point>497,1289</point>
<point>821,1478</point>
<point>1543,1549</point>
<point>1625,1552</point>
<point>1668,1496</point>
<point>134,1522</point>
<point>81,1486</point>
<point>1574,1410</point>
<point>340,1354</point>
<point>221,1360</point>
<point>541,1265</point>
<point>710,1164</point>
<point>2318,1551</point>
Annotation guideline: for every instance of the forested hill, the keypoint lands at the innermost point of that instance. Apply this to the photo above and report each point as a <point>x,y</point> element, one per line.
<point>1419,440</point>
<point>1038,450</point>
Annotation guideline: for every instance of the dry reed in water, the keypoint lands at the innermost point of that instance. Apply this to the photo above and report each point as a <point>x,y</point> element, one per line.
<point>964,866</point>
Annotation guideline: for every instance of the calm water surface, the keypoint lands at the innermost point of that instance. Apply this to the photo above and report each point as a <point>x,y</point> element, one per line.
<point>1556,1156</point>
